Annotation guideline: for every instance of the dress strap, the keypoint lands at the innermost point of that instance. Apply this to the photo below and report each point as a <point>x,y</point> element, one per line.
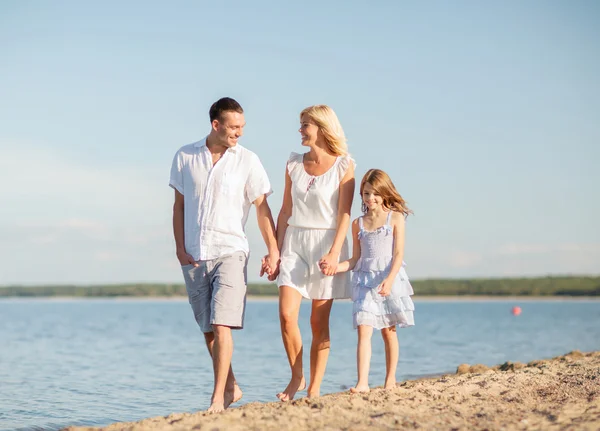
<point>389,217</point>
<point>360,223</point>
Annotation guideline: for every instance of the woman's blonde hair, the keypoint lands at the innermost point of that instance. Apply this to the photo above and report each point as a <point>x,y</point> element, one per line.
<point>324,117</point>
<point>383,186</point>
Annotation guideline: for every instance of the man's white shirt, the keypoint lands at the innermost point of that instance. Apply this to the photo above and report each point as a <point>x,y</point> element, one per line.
<point>217,199</point>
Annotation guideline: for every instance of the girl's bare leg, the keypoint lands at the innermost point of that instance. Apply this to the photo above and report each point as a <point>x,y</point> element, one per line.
<point>363,358</point>
<point>390,339</point>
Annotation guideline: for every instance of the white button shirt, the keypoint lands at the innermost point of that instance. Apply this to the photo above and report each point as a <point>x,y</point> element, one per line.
<point>217,198</point>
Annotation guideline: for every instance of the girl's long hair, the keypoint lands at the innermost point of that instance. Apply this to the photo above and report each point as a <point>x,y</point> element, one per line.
<point>329,125</point>
<point>384,187</point>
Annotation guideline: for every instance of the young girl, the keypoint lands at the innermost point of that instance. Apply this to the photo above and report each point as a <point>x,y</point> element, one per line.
<point>380,287</point>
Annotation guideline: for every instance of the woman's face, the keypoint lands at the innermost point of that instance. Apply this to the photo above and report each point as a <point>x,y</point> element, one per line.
<point>308,131</point>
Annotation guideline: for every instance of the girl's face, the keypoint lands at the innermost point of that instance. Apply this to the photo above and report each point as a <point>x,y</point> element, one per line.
<point>370,197</point>
<point>308,131</point>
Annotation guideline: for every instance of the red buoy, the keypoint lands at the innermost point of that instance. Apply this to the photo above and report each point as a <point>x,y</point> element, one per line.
<point>516,310</point>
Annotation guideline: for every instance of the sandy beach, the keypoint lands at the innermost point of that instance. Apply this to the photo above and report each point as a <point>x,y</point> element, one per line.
<point>555,394</point>
<point>268,298</point>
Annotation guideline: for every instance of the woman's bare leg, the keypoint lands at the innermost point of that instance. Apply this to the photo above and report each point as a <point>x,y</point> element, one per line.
<point>289,307</point>
<point>319,349</point>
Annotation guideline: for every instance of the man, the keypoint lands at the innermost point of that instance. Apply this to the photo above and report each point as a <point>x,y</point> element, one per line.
<point>216,181</point>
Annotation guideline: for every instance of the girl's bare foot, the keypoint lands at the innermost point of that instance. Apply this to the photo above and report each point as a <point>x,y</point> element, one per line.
<point>294,386</point>
<point>390,384</point>
<point>232,396</point>
<point>360,389</point>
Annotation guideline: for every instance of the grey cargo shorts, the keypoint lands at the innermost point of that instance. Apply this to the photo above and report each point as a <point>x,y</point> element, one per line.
<point>217,290</point>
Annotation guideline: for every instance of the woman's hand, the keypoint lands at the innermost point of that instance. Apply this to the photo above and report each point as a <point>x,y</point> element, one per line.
<point>273,276</point>
<point>329,263</point>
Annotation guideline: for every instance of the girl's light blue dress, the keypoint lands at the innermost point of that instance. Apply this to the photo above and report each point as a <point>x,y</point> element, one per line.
<point>373,266</point>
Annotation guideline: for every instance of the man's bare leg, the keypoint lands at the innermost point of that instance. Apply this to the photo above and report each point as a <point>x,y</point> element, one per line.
<point>221,354</point>
<point>289,307</point>
<point>233,393</point>
<point>319,349</point>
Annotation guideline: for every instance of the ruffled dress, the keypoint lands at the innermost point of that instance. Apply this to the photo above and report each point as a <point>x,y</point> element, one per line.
<point>373,266</point>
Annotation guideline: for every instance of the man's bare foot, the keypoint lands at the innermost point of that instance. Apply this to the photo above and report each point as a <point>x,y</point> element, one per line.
<point>389,384</point>
<point>360,389</point>
<point>294,386</point>
<point>232,396</point>
<point>216,408</point>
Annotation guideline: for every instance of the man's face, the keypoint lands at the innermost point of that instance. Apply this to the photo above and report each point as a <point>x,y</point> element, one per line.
<point>229,128</point>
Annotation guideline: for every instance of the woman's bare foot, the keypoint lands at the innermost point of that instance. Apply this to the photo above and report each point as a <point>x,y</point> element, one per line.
<point>216,407</point>
<point>232,396</point>
<point>360,389</point>
<point>294,386</point>
<point>390,384</point>
<point>313,392</point>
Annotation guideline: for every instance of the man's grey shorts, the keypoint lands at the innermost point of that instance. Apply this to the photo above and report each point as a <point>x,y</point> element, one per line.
<point>217,291</point>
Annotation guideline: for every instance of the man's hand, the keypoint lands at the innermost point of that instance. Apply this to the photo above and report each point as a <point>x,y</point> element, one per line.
<point>185,259</point>
<point>329,263</point>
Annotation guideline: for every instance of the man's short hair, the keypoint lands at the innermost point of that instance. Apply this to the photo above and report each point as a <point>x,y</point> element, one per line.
<point>223,105</point>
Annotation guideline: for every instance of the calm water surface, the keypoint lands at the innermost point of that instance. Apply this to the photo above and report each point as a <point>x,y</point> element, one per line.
<point>93,362</point>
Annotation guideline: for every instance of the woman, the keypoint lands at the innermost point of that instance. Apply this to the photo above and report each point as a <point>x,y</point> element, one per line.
<point>311,234</point>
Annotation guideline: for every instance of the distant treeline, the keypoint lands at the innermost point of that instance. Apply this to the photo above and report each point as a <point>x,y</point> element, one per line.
<point>542,286</point>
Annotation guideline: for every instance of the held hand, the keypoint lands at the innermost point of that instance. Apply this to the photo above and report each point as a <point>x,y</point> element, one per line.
<point>329,263</point>
<point>385,288</point>
<point>274,276</point>
<point>264,266</point>
<point>185,259</point>
<point>270,264</point>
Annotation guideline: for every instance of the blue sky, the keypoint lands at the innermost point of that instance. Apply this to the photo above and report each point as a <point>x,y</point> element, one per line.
<point>485,114</point>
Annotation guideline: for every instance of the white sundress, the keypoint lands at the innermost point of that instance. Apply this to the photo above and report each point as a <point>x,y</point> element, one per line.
<point>373,266</point>
<point>311,231</point>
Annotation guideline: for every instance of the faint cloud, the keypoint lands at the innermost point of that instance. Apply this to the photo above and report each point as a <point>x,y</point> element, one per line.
<point>83,224</point>
<point>70,223</point>
<point>47,238</point>
<point>106,256</point>
<point>58,185</point>
<point>533,248</point>
<point>464,259</point>
<point>40,232</point>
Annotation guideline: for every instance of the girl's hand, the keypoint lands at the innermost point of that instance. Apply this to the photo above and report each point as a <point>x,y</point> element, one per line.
<point>329,263</point>
<point>385,288</point>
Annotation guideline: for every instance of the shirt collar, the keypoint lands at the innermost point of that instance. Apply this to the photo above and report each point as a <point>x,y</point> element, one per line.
<point>202,143</point>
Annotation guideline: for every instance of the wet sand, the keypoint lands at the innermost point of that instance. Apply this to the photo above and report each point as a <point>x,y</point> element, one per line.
<point>556,394</point>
